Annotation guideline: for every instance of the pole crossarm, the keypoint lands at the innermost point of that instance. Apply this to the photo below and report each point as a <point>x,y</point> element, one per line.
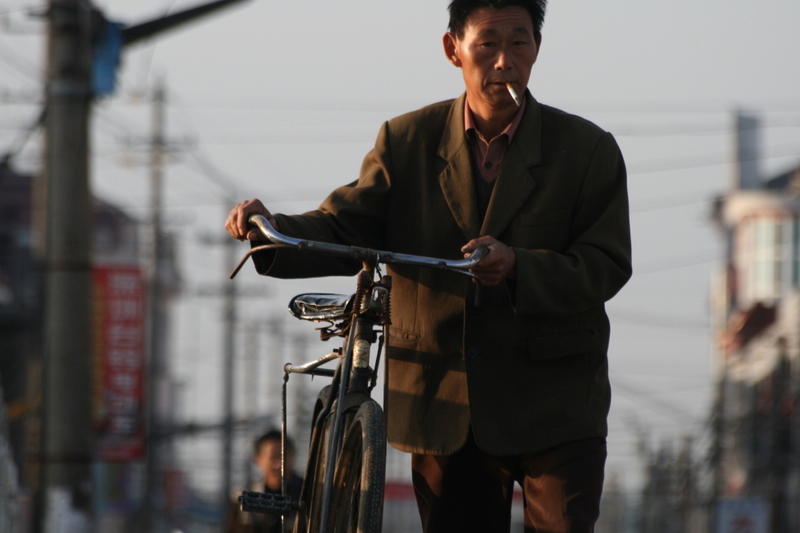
<point>150,28</point>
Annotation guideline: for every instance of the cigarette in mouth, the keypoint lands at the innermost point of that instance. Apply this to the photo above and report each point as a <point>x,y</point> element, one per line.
<point>514,94</point>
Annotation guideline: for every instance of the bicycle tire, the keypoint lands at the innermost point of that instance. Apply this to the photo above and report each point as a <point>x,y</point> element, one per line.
<point>357,499</point>
<point>309,517</point>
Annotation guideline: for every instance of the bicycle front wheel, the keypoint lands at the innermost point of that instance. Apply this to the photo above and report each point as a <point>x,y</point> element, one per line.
<point>308,518</point>
<point>357,500</point>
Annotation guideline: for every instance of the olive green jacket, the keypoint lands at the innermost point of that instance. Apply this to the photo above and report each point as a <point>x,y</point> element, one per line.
<point>528,369</point>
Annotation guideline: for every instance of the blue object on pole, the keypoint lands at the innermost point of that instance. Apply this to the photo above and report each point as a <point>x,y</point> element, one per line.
<point>105,58</point>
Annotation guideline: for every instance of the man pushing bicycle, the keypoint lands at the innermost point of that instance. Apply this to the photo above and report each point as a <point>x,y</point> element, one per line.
<point>517,388</point>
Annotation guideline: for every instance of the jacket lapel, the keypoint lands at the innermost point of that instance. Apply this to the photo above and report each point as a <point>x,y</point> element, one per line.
<point>456,178</point>
<point>515,182</point>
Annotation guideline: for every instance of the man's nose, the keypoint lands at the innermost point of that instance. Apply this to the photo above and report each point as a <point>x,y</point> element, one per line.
<point>503,60</point>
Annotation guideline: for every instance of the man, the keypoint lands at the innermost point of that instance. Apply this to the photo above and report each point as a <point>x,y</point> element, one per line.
<point>516,390</point>
<point>267,458</point>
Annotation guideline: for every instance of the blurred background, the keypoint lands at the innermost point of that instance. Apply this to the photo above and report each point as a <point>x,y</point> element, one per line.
<point>280,101</point>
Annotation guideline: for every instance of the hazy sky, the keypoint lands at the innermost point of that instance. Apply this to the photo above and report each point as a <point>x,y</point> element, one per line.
<point>284,98</point>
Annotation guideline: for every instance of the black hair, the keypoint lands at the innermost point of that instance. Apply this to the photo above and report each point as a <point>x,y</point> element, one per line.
<point>460,11</point>
<point>272,434</point>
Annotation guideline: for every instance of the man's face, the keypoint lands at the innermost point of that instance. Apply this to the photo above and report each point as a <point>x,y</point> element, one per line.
<point>498,46</point>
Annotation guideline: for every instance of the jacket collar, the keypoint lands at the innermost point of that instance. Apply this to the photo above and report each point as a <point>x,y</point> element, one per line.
<point>514,183</point>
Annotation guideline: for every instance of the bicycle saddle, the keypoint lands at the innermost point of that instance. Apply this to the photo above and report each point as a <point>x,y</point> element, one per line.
<point>321,307</point>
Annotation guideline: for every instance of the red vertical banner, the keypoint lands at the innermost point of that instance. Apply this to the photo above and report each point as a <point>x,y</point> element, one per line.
<point>119,340</point>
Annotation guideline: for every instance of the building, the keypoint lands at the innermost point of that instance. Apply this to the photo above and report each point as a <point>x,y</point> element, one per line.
<point>756,319</point>
<point>119,349</point>
<point>20,317</point>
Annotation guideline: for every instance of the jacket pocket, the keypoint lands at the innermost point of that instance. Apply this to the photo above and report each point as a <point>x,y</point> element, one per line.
<point>399,337</point>
<point>564,345</point>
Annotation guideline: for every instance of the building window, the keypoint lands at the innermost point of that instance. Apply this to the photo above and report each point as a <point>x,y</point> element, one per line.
<point>796,253</point>
<point>767,245</point>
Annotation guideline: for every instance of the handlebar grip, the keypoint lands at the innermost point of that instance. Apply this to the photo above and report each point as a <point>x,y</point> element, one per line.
<point>267,230</point>
<point>479,253</point>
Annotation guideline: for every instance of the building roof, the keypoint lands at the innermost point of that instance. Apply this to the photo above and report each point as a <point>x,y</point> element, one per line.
<point>789,181</point>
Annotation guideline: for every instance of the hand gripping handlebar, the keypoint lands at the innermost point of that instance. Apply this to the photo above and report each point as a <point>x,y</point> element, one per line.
<point>279,240</point>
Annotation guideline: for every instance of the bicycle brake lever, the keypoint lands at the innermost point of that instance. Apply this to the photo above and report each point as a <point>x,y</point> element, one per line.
<point>238,266</point>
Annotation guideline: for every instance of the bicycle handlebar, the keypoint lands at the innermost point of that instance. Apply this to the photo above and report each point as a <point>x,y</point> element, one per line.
<point>279,240</point>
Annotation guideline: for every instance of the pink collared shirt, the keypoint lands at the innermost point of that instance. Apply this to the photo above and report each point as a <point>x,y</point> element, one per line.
<point>489,155</point>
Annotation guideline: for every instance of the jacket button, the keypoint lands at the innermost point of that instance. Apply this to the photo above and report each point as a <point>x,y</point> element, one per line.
<point>472,353</point>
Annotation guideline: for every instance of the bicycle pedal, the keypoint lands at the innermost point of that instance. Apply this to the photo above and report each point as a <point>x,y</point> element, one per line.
<point>260,502</point>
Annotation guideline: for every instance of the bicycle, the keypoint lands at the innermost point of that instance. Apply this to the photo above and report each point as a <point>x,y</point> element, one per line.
<point>344,478</point>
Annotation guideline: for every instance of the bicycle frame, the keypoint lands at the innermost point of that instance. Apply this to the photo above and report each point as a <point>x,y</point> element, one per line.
<point>353,378</point>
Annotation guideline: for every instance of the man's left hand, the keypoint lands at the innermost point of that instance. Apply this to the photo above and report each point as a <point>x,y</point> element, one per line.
<point>500,263</point>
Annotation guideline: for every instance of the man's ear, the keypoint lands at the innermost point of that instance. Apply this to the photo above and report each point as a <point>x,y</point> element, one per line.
<point>449,42</point>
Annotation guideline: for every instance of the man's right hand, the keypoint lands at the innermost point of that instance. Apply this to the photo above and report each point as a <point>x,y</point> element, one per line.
<point>237,220</point>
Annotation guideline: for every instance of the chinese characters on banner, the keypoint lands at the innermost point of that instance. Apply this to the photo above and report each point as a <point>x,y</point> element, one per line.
<point>119,340</point>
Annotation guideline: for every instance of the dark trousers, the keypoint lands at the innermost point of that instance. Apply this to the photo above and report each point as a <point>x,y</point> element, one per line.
<point>471,491</point>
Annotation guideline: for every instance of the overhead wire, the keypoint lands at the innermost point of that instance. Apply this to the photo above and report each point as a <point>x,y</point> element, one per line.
<point>23,9</point>
<point>654,403</point>
<point>646,318</point>
<point>22,138</point>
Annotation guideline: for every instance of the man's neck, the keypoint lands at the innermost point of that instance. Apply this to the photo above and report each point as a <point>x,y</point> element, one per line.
<point>491,121</point>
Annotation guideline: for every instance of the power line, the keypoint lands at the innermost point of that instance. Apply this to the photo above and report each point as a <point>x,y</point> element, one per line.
<point>656,404</point>
<point>675,129</point>
<point>376,104</point>
<point>24,136</point>
<point>647,318</point>
<point>26,68</point>
<point>27,9</point>
<point>704,160</point>
<point>674,263</point>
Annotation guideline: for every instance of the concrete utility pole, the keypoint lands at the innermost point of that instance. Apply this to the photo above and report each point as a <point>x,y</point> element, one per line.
<point>251,390</point>
<point>229,360</point>
<point>66,451</point>
<point>155,337</point>
<point>67,433</point>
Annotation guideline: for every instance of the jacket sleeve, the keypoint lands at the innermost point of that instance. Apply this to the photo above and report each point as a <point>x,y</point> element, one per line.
<point>597,261</point>
<point>352,215</point>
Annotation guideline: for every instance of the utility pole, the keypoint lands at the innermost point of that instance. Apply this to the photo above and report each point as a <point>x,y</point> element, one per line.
<point>67,434</point>
<point>66,451</point>
<point>275,361</point>
<point>250,390</point>
<point>231,295</point>
<point>229,359</point>
<point>155,337</point>
<point>251,373</point>
<point>302,399</point>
